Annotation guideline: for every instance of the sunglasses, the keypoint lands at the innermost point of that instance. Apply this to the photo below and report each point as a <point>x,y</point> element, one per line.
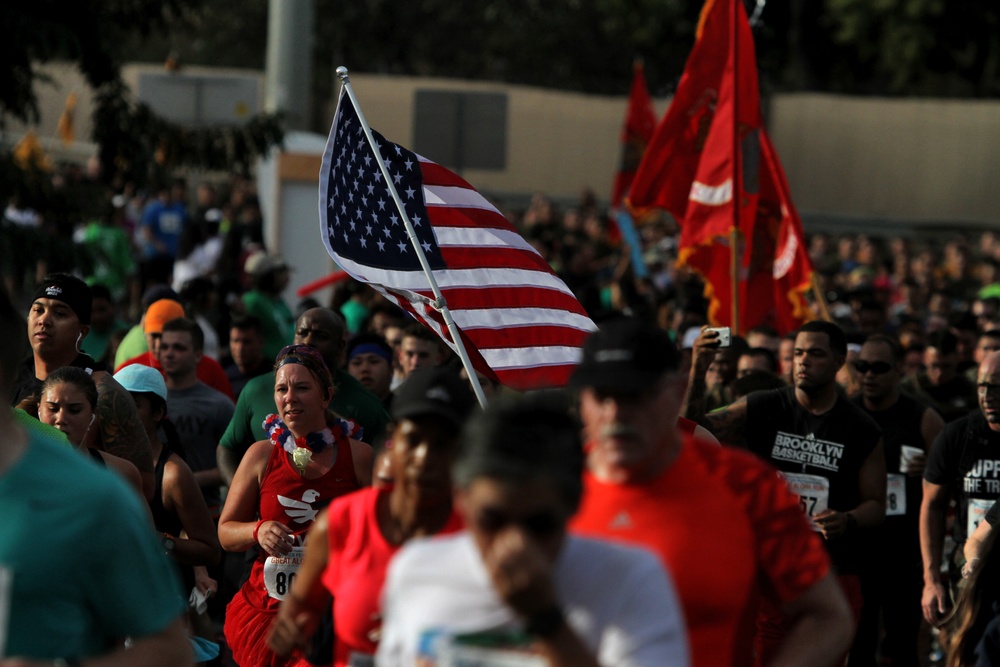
<point>540,524</point>
<point>876,367</point>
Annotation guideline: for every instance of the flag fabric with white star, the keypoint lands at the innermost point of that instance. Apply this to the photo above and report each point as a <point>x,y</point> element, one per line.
<point>518,320</point>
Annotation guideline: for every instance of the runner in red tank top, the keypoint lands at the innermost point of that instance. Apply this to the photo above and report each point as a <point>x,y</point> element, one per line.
<point>279,489</point>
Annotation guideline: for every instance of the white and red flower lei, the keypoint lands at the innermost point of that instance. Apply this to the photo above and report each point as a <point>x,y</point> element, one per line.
<point>303,448</point>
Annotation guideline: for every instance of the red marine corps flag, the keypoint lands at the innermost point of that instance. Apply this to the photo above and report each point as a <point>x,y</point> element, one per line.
<point>514,318</point>
<point>712,167</point>
<point>640,122</point>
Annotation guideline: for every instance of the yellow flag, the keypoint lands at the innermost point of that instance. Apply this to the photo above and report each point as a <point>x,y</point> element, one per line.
<point>64,130</point>
<point>28,152</point>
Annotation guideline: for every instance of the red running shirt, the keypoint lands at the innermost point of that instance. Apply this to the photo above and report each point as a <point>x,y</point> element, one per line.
<point>728,530</point>
<point>355,572</point>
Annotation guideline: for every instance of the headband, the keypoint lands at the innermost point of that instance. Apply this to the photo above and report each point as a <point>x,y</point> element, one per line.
<point>371,348</point>
<point>307,356</point>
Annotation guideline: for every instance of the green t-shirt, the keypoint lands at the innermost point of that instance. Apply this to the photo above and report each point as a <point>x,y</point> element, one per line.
<point>276,320</point>
<point>87,567</point>
<point>33,425</point>
<point>95,343</point>
<point>132,345</point>
<point>352,400</point>
<point>111,253</point>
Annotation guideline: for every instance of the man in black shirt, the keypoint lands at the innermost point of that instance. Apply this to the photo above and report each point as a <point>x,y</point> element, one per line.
<point>58,320</point>
<point>828,449</point>
<point>941,385</point>
<point>890,578</point>
<point>965,463</point>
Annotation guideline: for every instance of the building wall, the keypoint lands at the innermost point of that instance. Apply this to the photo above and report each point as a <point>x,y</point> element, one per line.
<point>918,160</point>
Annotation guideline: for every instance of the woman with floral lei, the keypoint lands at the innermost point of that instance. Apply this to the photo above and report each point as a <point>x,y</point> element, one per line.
<point>279,487</point>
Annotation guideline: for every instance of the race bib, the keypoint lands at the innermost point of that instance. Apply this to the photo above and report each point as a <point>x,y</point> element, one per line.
<point>497,648</point>
<point>978,507</point>
<point>279,572</point>
<point>895,494</point>
<point>813,492</point>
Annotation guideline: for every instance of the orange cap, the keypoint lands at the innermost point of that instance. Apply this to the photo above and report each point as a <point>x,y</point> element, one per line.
<point>159,313</point>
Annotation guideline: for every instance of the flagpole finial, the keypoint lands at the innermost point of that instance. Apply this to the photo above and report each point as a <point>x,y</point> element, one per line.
<point>342,73</point>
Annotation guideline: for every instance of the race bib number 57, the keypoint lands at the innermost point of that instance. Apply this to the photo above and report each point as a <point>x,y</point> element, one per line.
<point>813,492</point>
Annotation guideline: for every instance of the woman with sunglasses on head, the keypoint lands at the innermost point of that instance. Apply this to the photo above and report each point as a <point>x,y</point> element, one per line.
<point>69,402</point>
<point>514,584</point>
<point>279,488</point>
<point>351,543</point>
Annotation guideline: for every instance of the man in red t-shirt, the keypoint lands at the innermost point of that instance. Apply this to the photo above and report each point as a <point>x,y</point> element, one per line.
<point>723,522</point>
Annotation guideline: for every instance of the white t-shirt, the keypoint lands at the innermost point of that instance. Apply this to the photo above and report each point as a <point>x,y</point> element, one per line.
<point>617,599</point>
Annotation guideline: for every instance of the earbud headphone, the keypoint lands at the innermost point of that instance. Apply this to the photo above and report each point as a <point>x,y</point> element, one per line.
<point>78,339</point>
<point>92,418</point>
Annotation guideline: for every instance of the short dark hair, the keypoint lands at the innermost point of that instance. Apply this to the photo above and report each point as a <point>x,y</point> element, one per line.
<point>247,323</point>
<point>838,340</point>
<point>755,380</point>
<point>420,332</point>
<point>943,341</point>
<point>891,342</point>
<point>764,353</point>
<point>75,376</point>
<point>990,333</point>
<point>502,443</point>
<point>182,324</point>
<point>99,291</point>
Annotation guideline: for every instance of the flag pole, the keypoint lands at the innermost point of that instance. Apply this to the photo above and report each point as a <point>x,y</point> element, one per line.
<point>439,304</point>
<point>737,184</point>
<point>824,310</point>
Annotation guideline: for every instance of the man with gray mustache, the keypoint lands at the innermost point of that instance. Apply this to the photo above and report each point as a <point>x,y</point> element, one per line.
<point>722,521</point>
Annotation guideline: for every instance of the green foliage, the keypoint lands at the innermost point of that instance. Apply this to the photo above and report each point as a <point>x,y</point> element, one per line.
<point>134,143</point>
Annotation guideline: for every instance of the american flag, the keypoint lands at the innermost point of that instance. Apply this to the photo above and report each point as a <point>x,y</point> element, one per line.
<point>518,320</point>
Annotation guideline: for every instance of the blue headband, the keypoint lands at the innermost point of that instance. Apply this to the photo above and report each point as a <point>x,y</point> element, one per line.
<point>371,348</point>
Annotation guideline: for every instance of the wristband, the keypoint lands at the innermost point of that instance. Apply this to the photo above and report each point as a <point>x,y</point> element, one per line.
<point>546,624</point>
<point>255,529</point>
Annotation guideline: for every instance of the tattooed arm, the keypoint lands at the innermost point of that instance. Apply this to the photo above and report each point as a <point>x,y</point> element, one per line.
<point>121,431</point>
<point>727,423</point>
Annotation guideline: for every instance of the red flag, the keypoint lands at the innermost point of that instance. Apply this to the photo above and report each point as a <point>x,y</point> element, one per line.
<point>640,122</point>
<point>704,167</point>
<point>519,322</point>
<point>779,272</point>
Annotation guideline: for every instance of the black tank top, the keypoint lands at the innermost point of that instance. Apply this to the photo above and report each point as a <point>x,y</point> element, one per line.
<point>165,521</point>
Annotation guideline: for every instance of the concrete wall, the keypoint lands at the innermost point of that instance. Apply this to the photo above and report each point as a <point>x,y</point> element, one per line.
<point>912,160</point>
<point>923,159</point>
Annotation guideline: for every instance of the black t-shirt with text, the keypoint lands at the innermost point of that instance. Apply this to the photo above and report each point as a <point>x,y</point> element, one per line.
<point>820,455</point>
<point>965,457</point>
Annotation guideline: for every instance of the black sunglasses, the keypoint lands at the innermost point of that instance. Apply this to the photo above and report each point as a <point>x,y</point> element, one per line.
<point>876,367</point>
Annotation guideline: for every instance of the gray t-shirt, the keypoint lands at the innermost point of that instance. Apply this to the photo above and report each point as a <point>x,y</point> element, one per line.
<point>200,414</point>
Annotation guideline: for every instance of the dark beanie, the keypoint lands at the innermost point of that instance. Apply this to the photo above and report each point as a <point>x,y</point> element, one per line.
<point>70,290</point>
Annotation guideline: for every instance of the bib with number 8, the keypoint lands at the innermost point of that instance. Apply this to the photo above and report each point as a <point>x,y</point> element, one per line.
<point>279,572</point>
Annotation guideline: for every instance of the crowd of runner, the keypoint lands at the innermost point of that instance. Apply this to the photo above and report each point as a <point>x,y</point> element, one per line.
<point>293,458</point>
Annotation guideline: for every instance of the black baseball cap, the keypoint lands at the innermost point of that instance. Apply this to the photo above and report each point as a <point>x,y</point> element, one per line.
<point>626,355</point>
<point>433,391</point>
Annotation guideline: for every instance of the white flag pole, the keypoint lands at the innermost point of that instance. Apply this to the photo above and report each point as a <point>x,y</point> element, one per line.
<point>439,304</point>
